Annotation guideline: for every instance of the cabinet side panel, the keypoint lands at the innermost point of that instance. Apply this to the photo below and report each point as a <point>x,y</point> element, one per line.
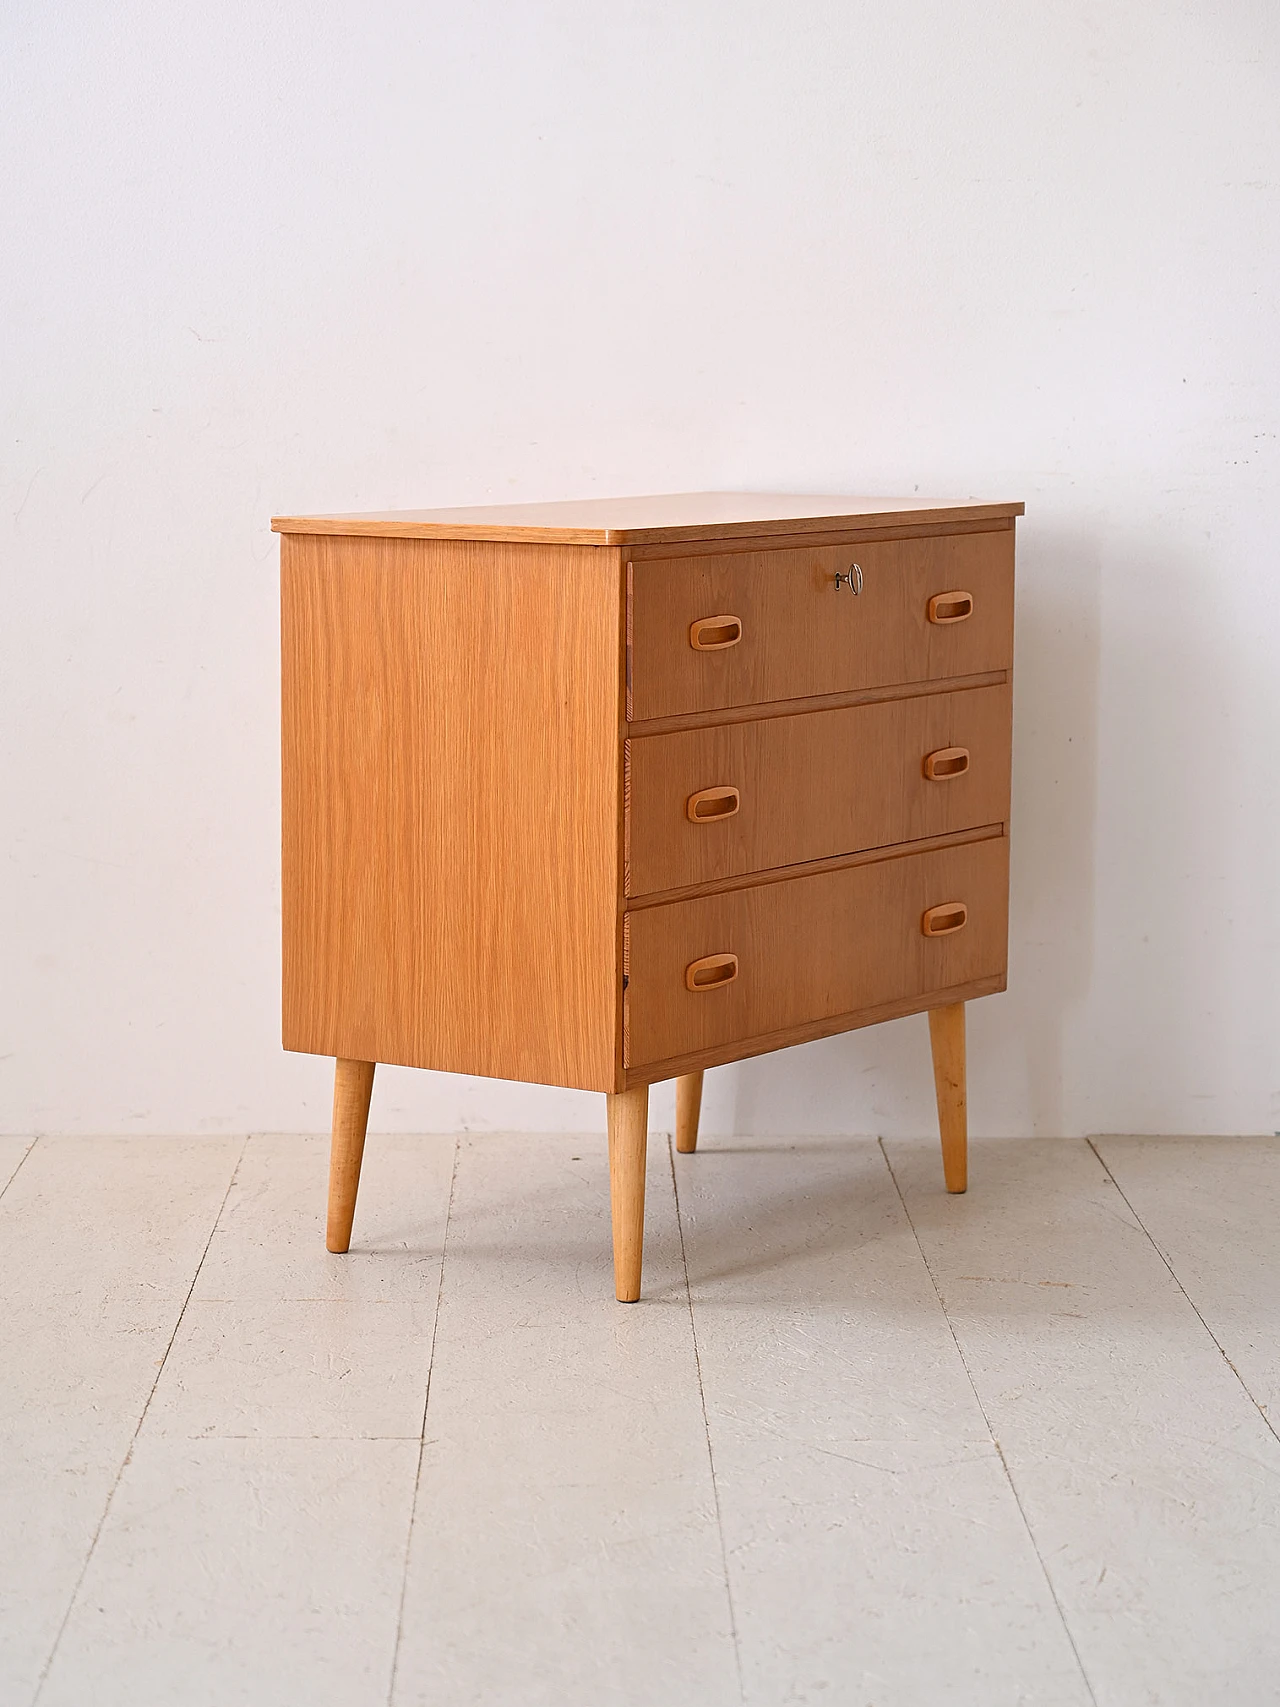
<point>450,805</point>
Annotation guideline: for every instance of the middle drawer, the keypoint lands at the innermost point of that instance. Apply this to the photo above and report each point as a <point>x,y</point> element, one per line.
<point>741,797</point>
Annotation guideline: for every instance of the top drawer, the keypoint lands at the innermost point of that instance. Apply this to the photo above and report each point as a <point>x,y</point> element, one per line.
<point>788,630</point>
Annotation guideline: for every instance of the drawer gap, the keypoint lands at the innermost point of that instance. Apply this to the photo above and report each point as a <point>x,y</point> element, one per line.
<point>810,868</point>
<point>814,702</point>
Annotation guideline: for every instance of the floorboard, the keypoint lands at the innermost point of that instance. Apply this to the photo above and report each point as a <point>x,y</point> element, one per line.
<point>12,1153</point>
<point>565,1548</point>
<point>255,1548</point>
<point>861,1442</point>
<point>100,1240</point>
<point>876,1550</point>
<point>1150,1482</point>
<point>252,1571</point>
<point>1212,1207</point>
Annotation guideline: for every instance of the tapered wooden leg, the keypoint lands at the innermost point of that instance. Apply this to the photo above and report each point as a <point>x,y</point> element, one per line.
<point>352,1088</point>
<point>628,1140</point>
<point>688,1108</point>
<point>946,1034</point>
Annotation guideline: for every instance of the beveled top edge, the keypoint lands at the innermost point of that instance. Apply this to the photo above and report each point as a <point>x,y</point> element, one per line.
<point>650,520</point>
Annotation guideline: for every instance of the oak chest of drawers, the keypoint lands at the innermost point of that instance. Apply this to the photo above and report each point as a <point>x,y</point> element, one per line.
<point>597,794</point>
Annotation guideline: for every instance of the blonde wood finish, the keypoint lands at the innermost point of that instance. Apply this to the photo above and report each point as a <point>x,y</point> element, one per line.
<point>628,1117</point>
<point>669,517</point>
<point>688,1110</point>
<point>603,793</point>
<point>452,806</point>
<point>352,1089</point>
<point>946,1038</point>
<point>812,948</point>
<point>802,636</point>
<point>812,786</point>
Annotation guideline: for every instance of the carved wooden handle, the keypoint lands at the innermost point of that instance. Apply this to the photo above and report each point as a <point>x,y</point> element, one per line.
<point>712,972</point>
<point>708,804</point>
<point>714,633</point>
<point>945,763</point>
<point>943,920</point>
<point>950,607</point>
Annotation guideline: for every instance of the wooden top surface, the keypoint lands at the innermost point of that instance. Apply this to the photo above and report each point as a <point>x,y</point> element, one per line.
<point>673,517</point>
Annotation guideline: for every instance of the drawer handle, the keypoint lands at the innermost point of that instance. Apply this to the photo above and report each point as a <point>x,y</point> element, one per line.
<point>712,972</point>
<point>946,763</point>
<point>714,633</point>
<point>950,607</point>
<point>942,921</point>
<point>708,804</point>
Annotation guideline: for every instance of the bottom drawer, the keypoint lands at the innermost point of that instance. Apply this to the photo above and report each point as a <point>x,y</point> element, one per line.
<point>810,949</point>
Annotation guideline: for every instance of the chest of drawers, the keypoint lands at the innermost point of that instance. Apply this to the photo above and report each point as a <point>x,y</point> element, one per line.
<point>603,793</point>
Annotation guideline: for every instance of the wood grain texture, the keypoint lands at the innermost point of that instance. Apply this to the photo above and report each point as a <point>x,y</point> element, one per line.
<point>688,1111</point>
<point>946,1039</point>
<point>628,1119</point>
<point>352,1089</point>
<point>813,948</point>
<point>451,806</point>
<point>648,520</point>
<point>803,636</point>
<point>813,786</point>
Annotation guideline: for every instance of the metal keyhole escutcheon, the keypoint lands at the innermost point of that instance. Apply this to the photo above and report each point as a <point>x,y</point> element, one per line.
<point>853,580</point>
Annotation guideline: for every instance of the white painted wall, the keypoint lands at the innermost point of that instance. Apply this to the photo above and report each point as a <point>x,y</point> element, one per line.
<point>337,255</point>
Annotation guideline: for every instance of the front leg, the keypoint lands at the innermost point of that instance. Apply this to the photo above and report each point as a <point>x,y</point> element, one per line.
<point>946,1034</point>
<point>688,1108</point>
<point>628,1114</point>
<point>352,1088</point>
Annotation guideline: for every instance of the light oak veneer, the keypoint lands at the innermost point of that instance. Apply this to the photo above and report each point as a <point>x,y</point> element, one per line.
<point>792,942</point>
<point>452,793</point>
<point>813,786</point>
<point>801,635</point>
<point>677,516</point>
<point>598,793</point>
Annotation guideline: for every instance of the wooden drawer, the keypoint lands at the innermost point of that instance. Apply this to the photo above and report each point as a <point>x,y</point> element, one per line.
<point>797,633</point>
<point>810,949</point>
<point>740,797</point>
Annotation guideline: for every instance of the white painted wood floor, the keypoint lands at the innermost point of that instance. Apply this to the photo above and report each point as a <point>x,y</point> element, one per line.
<point>860,1442</point>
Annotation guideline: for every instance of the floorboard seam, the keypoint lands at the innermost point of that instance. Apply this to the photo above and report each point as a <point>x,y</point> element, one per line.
<point>422,1433</point>
<point>999,1450</point>
<point>1173,1275</point>
<point>706,1424</point>
<point>133,1440</point>
<point>22,1159</point>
